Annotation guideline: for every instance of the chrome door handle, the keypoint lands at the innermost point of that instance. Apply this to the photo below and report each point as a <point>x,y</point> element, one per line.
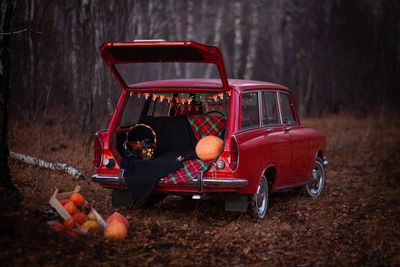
<point>288,128</point>
<point>269,130</point>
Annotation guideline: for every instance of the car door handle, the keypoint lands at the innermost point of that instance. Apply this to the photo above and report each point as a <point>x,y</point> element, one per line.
<point>269,130</point>
<point>288,128</point>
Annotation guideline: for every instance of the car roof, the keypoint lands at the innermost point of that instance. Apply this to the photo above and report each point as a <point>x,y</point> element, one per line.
<point>236,84</point>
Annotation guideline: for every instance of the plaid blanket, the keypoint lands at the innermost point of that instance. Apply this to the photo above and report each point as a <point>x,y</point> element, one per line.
<point>207,125</point>
<point>189,171</point>
<point>202,126</point>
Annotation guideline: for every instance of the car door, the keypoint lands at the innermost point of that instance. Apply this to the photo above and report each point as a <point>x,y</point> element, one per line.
<point>276,141</point>
<point>299,141</point>
<point>249,137</point>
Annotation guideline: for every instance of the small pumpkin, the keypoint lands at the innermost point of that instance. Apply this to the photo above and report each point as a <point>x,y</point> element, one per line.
<point>119,217</point>
<point>115,230</point>
<point>94,226</point>
<point>77,199</point>
<point>80,217</point>
<point>209,147</point>
<point>70,207</point>
<point>62,202</point>
<point>70,223</point>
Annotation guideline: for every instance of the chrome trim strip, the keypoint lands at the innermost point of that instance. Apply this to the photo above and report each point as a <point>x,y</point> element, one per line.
<point>207,181</point>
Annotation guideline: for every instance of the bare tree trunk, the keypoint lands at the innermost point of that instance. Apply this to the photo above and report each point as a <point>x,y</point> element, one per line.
<point>174,27</point>
<point>237,49</point>
<point>74,59</point>
<point>189,32</point>
<point>252,52</point>
<point>277,42</point>
<point>217,35</point>
<point>9,194</point>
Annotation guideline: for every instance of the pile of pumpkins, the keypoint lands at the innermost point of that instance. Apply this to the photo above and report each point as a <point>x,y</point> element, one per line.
<point>83,216</point>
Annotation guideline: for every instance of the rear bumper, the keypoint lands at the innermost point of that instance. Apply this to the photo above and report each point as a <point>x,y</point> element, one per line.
<point>203,182</point>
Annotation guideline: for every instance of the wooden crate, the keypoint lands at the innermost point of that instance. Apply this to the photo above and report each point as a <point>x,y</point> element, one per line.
<point>55,203</point>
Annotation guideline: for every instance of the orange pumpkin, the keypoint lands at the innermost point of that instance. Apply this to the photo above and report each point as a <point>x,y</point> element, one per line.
<point>70,223</point>
<point>119,217</point>
<point>70,207</point>
<point>209,147</point>
<point>80,217</point>
<point>115,230</point>
<point>77,199</point>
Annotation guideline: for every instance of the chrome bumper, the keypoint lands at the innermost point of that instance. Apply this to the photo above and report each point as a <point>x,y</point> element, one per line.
<point>205,181</point>
<point>325,163</point>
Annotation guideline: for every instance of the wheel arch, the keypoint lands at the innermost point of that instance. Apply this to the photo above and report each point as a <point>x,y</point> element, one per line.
<point>319,154</point>
<point>270,174</point>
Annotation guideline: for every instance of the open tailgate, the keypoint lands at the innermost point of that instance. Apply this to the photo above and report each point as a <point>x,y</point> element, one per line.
<point>134,64</point>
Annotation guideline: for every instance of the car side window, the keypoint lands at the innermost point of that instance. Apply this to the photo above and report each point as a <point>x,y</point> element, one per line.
<point>132,111</point>
<point>270,111</point>
<point>249,110</point>
<point>288,115</point>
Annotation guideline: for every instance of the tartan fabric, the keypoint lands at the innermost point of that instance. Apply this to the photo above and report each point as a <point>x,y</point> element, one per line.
<point>207,125</point>
<point>189,171</point>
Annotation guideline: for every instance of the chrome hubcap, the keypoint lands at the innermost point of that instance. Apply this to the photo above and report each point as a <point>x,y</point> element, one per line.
<point>317,180</point>
<point>261,200</point>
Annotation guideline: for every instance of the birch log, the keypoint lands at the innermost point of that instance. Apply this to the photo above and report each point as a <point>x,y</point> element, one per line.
<point>48,165</point>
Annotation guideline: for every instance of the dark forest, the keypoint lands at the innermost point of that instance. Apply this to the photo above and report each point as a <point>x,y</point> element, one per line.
<point>341,60</point>
<point>334,55</point>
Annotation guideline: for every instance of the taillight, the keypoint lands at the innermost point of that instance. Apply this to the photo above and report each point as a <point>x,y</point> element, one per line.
<point>234,154</point>
<point>97,151</point>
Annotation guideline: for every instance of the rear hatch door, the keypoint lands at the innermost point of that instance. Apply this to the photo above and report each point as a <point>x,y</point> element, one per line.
<point>135,64</point>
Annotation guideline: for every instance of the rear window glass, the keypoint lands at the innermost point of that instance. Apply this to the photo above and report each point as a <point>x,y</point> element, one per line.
<point>173,71</point>
<point>249,110</point>
<point>288,114</point>
<point>173,104</point>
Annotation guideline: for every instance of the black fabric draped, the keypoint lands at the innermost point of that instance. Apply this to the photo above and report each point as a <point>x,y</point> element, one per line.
<point>174,138</point>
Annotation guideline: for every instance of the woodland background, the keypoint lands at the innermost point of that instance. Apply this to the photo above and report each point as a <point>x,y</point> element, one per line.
<point>341,58</point>
<point>335,55</point>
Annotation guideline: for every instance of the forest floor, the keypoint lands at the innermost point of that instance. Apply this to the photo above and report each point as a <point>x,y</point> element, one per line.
<point>356,220</point>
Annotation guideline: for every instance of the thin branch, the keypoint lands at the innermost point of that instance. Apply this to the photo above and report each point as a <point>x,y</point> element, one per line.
<point>21,31</point>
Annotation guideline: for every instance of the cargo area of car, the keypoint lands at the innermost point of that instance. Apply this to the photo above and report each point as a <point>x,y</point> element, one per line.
<point>169,126</point>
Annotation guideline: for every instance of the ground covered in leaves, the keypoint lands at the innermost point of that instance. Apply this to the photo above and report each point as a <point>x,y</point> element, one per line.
<point>356,220</point>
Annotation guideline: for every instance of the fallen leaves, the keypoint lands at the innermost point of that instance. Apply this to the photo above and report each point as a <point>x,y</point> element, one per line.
<point>354,222</point>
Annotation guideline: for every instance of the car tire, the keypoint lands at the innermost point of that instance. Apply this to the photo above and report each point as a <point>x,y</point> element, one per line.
<point>317,182</point>
<point>260,200</point>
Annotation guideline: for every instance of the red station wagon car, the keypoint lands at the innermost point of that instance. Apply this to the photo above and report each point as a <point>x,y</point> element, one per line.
<point>149,146</point>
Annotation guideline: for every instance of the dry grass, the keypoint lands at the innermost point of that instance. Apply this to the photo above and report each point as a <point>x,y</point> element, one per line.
<point>354,221</point>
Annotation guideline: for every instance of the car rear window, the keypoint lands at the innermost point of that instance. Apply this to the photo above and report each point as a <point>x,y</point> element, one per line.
<point>288,114</point>
<point>173,104</point>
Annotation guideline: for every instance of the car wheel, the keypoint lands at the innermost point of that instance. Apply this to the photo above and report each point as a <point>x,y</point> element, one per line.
<point>317,182</point>
<point>259,202</point>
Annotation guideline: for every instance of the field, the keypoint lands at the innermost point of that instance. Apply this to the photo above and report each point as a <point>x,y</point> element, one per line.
<point>356,220</point>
